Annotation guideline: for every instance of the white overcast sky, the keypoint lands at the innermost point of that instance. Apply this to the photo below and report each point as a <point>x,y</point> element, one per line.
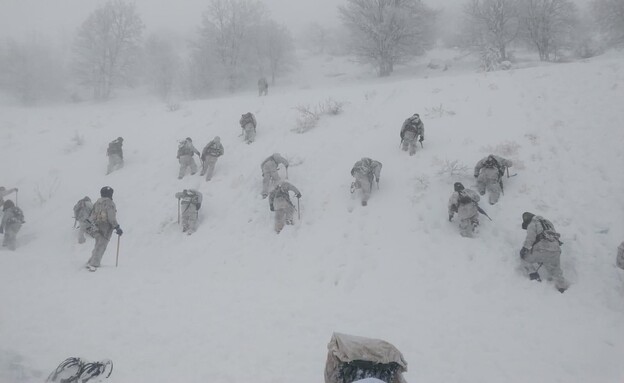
<point>62,17</point>
<point>58,18</point>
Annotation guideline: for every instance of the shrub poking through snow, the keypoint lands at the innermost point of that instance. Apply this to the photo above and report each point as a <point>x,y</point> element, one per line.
<point>309,116</point>
<point>438,112</point>
<point>450,168</point>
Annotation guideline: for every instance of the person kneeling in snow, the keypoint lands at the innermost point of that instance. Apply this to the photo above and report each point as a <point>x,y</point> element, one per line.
<point>279,202</point>
<point>464,202</point>
<point>489,172</point>
<point>190,201</point>
<point>542,246</point>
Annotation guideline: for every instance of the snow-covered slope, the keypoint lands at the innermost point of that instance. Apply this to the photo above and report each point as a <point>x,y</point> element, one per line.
<point>237,303</point>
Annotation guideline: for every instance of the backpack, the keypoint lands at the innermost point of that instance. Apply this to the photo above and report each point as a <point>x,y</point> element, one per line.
<point>247,118</point>
<point>463,199</point>
<point>493,164</point>
<point>18,215</point>
<point>548,233</point>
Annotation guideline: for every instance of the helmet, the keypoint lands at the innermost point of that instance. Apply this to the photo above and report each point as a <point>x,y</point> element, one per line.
<point>189,139</point>
<point>217,138</point>
<point>7,205</point>
<point>416,115</point>
<point>526,219</point>
<point>86,198</point>
<point>458,186</point>
<point>490,161</point>
<point>106,191</point>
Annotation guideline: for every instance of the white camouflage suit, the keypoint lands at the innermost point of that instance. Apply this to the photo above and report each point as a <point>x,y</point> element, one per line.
<point>269,171</point>
<point>365,171</point>
<point>279,201</point>
<point>488,172</point>
<point>82,211</point>
<point>411,129</point>
<point>211,153</point>
<point>3,193</point>
<point>541,250</point>
<point>190,203</point>
<point>186,150</point>
<point>104,217</point>
<point>11,224</point>
<point>464,203</point>
<point>115,155</point>
<point>248,124</point>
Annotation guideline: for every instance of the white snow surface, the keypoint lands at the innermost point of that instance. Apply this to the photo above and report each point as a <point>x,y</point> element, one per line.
<point>237,303</point>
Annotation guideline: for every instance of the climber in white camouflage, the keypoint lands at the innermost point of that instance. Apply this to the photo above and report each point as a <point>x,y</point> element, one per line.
<point>248,124</point>
<point>115,155</point>
<point>186,150</point>
<point>542,247</point>
<point>270,176</point>
<point>464,202</point>
<point>101,224</point>
<point>211,153</point>
<point>365,171</point>
<point>12,220</point>
<point>82,211</point>
<point>280,203</point>
<point>190,201</point>
<point>412,129</point>
<point>489,172</point>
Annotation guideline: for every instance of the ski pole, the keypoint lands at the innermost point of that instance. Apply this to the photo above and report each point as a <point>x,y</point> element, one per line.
<point>117,256</point>
<point>298,210</point>
<point>401,144</point>
<point>178,211</point>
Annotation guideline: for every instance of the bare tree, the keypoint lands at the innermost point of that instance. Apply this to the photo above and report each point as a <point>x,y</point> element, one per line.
<point>316,37</point>
<point>492,24</point>
<point>107,45</point>
<point>387,32</point>
<point>31,71</point>
<point>609,16</point>
<point>548,25</point>
<point>227,28</point>
<point>162,64</point>
<point>275,49</point>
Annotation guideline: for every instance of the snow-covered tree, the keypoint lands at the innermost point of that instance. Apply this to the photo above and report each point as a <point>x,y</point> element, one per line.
<point>548,25</point>
<point>492,24</point>
<point>275,49</point>
<point>106,47</point>
<point>609,16</point>
<point>31,71</point>
<point>387,32</point>
<point>227,31</point>
<point>162,64</point>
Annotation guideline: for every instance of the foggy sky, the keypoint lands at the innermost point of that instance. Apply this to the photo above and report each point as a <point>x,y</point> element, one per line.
<point>61,18</point>
<point>55,18</point>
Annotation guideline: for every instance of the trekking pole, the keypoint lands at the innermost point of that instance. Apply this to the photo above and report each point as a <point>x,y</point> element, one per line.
<point>75,222</point>
<point>178,211</point>
<point>117,256</point>
<point>421,145</point>
<point>16,198</point>
<point>401,144</point>
<point>298,210</point>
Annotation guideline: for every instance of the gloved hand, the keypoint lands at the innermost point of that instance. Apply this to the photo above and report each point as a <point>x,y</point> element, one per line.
<point>298,195</point>
<point>198,206</point>
<point>523,252</point>
<point>476,175</point>
<point>118,230</point>
<point>421,139</point>
<point>450,217</point>
<point>377,179</point>
<point>271,207</point>
<point>535,277</point>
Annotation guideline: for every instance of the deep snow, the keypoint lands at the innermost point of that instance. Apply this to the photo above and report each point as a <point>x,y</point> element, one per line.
<point>237,303</point>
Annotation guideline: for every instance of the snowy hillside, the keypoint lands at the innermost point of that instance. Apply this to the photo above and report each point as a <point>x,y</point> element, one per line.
<point>237,303</point>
